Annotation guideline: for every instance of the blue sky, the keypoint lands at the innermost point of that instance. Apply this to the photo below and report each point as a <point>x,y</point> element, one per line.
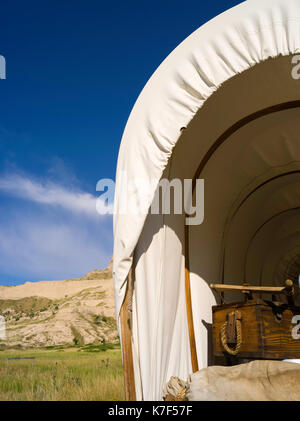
<point>74,71</point>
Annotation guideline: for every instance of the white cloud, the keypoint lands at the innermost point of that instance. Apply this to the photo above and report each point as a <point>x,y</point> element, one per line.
<point>39,246</point>
<point>53,233</point>
<point>49,193</point>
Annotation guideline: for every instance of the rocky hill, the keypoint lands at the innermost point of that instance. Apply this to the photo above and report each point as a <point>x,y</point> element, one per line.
<point>51,313</point>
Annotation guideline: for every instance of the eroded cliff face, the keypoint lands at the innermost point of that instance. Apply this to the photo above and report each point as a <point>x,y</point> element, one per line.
<point>50,313</point>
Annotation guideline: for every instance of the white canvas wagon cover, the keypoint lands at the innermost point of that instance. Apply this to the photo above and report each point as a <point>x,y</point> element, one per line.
<point>230,84</point>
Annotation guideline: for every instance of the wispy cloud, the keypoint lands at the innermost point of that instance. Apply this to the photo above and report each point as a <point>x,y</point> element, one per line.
<point>48,193</point>
<point>37,246</point>
<point>54,232</point>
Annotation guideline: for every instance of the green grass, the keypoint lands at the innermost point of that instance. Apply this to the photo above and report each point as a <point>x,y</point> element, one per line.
<point>63,374</point>
<point>97,348</point>
<point>28,306</point>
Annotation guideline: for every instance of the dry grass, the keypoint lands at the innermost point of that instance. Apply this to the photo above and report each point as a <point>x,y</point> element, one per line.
<point>70,374</point>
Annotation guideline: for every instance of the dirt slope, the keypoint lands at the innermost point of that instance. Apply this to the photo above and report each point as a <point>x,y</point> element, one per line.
<point>51,313</point>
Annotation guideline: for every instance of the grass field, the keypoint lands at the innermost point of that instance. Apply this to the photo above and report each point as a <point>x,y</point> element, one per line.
<point>92,373</point>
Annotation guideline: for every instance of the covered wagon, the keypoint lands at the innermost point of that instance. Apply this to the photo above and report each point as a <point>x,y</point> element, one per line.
<point>224,107</point>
